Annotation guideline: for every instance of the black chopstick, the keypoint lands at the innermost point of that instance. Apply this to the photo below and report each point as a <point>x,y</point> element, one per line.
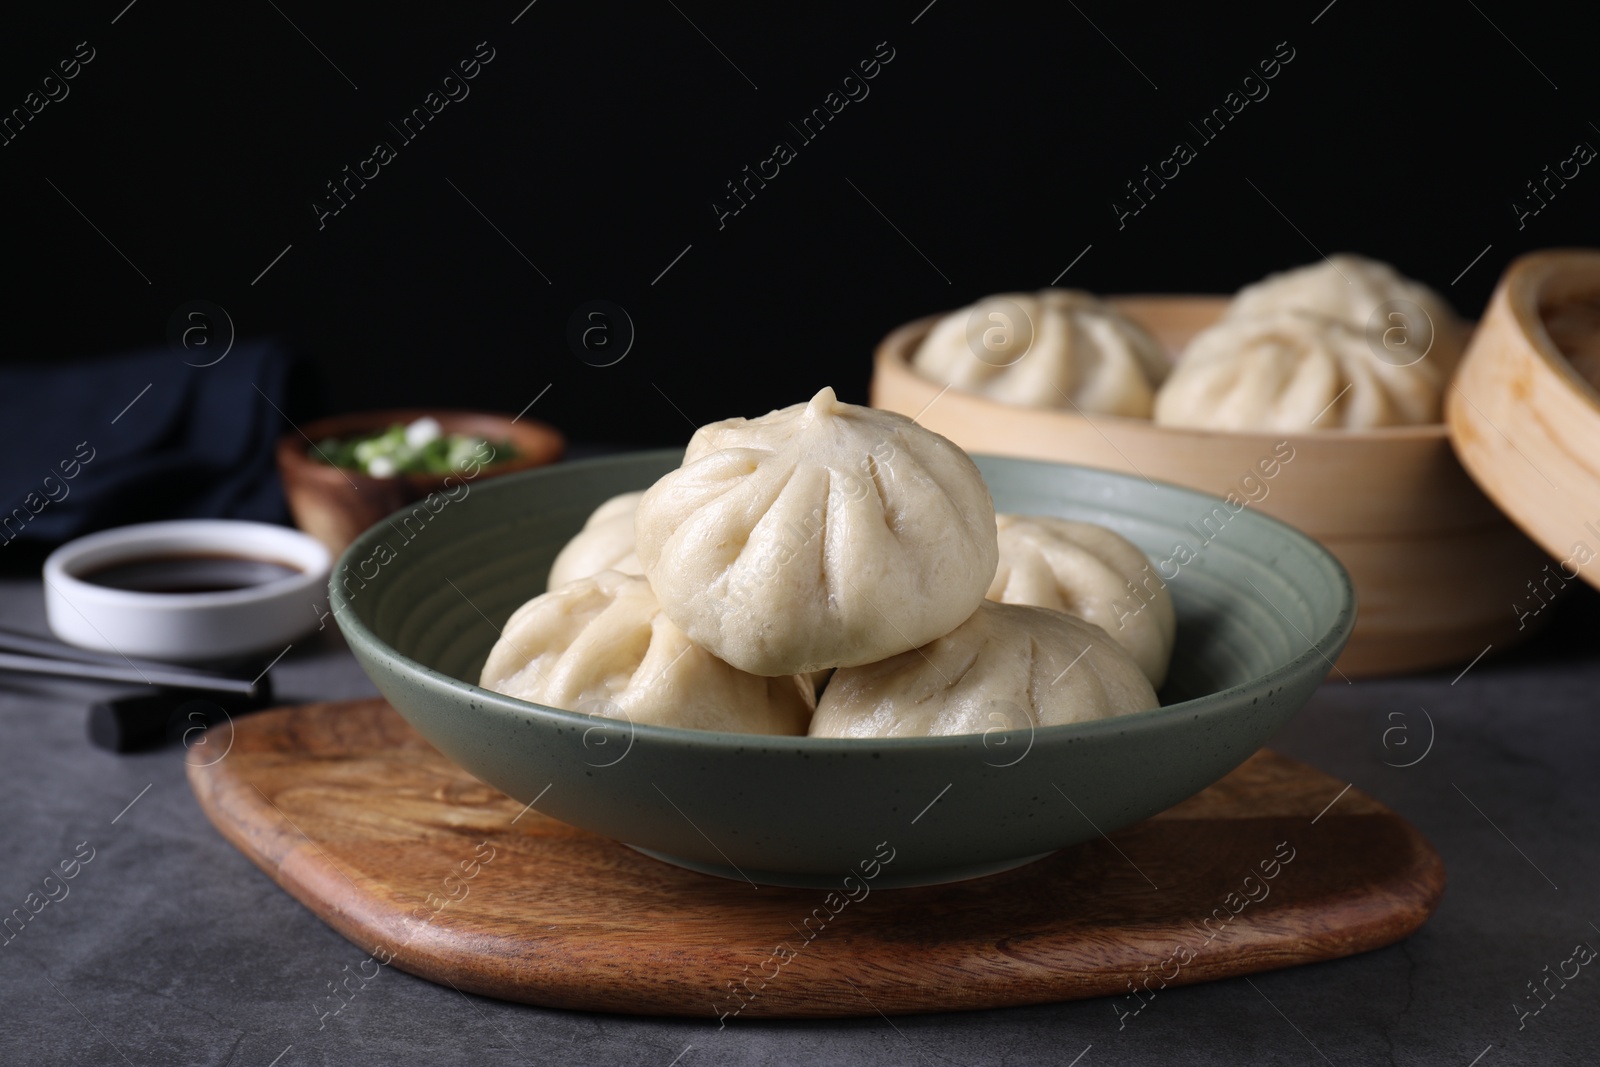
<point>176,701</point>
<point>150,718</point>
<point>151,673</point>
<point>34,645</point>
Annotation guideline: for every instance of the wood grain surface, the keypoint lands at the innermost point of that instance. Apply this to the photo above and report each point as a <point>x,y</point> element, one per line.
<point>1526,421</point>
<point>430,871</point>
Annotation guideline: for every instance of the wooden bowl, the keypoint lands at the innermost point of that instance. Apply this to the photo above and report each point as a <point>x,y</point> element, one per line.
<point>1526,424</point>
<point>1435,565</point>
<point>335,505</point>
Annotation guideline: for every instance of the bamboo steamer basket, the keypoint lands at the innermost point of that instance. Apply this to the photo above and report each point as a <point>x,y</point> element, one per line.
<point>1436,566</point>
<point>1525,423</point>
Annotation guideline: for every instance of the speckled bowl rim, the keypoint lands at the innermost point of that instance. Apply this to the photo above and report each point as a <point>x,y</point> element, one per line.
<point>1219,703</point>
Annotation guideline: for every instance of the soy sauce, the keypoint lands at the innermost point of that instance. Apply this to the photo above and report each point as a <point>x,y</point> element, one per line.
<point>189,573</point>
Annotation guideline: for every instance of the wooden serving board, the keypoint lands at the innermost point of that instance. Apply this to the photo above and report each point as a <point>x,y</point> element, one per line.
<point>427,869</point>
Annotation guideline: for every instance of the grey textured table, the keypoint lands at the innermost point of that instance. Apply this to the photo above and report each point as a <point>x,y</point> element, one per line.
<point>171,948</point>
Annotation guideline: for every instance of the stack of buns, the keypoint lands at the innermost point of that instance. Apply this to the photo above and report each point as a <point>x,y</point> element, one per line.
<point>826,548</point>
<point>1346,343</point>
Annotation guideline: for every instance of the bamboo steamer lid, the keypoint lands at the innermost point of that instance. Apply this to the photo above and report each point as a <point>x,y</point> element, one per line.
<point>1524,412</point>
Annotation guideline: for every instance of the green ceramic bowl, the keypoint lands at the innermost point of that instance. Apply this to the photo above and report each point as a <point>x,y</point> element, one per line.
<point>1262,613</point>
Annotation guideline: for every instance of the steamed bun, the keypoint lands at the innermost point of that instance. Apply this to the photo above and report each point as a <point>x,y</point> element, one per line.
<point>1006,667</point>
<point>1349,289</point>
<point>604,544</point>
<point>601,645</point>
<point>1058,348</point>
<point>1293,372</point>
<point>1347,329</point>
<point>1093,573</point>
<point>819,535</point>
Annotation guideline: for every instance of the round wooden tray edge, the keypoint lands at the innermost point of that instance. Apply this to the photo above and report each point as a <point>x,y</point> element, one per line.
<point>298,865</point>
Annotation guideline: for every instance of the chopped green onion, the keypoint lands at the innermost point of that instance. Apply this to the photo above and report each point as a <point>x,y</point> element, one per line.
<point>420,448</point>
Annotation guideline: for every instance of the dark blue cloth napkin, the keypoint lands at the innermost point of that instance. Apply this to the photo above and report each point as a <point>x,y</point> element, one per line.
<point>134,438</point>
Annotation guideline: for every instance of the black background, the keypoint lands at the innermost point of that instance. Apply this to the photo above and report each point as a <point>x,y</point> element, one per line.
<point>599,136</point>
